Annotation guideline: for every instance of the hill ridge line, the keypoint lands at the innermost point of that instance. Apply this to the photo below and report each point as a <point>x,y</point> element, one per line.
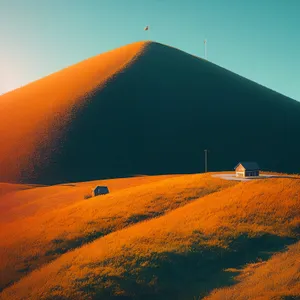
<point>118,71</point>
<point>30,202</point>
<point>146,43</point>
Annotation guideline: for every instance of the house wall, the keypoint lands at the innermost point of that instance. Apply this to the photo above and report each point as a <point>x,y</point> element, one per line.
<point>252,173</point>
<point>100,191</point>
<point>240,174</point>
<point>240,168</point>
<point>240,171</point>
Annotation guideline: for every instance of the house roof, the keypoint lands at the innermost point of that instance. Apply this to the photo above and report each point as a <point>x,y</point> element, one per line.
<point>100,187</point>
<point>248,165</point>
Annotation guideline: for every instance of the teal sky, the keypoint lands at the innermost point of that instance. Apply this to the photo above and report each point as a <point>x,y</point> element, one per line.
<point>258,39</point>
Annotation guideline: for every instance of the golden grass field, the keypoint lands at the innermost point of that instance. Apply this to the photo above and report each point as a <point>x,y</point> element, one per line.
<point>153,237</point>
<point>44,222</point>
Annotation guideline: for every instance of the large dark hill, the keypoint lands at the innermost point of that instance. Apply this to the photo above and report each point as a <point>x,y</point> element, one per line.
<point>156,115</point>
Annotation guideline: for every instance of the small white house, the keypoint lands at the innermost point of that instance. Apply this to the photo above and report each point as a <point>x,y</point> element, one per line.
<point>100,190</point>
<point>246,169</point>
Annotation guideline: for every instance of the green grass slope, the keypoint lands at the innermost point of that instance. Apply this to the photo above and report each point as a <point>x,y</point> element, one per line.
<point>179,255</point>
<point>157,115</point>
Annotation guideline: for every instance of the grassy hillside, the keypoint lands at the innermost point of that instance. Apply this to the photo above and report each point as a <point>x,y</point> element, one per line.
<point>178,255</point>
<point>53,223</point>
<point>6,188</point>
<point>145,108</point>
<point>23,204</point>
<point>278,278</point>
<point>35,119</point>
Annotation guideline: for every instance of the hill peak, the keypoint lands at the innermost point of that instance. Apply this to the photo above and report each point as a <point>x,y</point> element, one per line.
<point>144,108</point>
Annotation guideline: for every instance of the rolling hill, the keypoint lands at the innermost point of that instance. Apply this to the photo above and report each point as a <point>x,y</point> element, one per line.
<point>144,108</point>
<point>180,237</point>
<point>40,224</point>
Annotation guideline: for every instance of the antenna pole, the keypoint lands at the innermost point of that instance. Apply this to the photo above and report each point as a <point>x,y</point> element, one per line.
<point>205,159</point>
<point>205,51</point>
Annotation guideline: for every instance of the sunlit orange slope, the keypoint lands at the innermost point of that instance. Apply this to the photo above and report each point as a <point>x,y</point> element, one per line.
<point>6,188</point>
<point>34,118</point>
<point>19,201</point>
<point>145,108</point>
<point>277,278</point>
<point>58,218</point>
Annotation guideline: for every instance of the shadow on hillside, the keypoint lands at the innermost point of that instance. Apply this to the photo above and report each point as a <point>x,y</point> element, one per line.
<point>61,246</point>
<point>184,276</point>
